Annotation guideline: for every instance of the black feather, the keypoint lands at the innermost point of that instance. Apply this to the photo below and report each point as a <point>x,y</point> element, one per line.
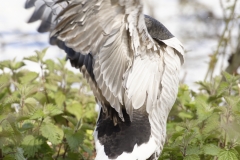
<point>37,15</point>
<point>125,135</point>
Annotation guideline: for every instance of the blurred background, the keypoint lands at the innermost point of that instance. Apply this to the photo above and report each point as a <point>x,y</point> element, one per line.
<point>208,29</point>
<point>42,116</point>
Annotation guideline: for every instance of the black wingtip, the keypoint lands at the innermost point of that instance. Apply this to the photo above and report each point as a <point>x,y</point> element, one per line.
<point>29,3</point>
<point>37,15</point>
<point>45,24</point>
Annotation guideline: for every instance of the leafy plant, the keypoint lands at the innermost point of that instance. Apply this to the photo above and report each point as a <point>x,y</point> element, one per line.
<point>205,125</point>
<point>46,115</point>
<point>51,115</point>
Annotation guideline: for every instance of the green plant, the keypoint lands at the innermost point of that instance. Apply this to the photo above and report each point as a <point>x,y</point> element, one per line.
<point>51,115</point>
<point>46,115</point>
<point>205,125</point>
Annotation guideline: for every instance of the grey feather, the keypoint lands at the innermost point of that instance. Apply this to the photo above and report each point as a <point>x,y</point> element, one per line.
<point>131,61</point>
<point>156,29</point>
<point>37,14</point>
<point>29,3</point>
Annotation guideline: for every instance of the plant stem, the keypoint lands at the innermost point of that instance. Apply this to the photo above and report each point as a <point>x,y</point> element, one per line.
<point>59,151</point>
<point>214,57</point>
<point>65,152</point>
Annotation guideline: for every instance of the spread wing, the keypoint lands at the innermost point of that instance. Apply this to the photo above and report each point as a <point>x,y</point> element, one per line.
<point>46,11</point>
<point>130,68</point>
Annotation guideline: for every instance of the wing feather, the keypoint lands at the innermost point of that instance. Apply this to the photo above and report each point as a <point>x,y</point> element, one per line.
<point>29,3</point>
<point>110,65</point>
<point>131,70</point>
<point>46,11</point>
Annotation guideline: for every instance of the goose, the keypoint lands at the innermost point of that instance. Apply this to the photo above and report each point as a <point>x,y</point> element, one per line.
<point>131,62</point>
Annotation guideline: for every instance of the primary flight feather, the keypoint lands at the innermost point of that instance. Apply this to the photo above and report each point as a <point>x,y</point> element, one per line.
<point>131,62</point>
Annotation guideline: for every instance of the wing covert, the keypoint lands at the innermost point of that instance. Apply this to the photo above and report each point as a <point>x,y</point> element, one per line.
<point>129,67</point>
<point>113,31</point>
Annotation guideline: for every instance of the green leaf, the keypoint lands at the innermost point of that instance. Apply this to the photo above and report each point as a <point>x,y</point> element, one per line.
<point>86,126</point>
<point>27,126</point>
<point>51,87</point>
<point>31,102</point>
<point>177,134</point>
<point>232,129</point>
<point>233,102</point>
<point>26,90</point>
<point>184,95</point>
<point>193,150</point>
<point>19,154</point>
<point>31,145</point>
<point>52,110</point>
<point>227,76</point>
<point>211,149</point>
<point>17,65</point>
<point>62,62</point>
<point>32,58</point>
<point>5,64</point>
<point>86,149</point>
<point>205,86</point>
<point>185,115</point>
<point>60,99</point>
<point>5,78</point>
<point>9,157</point>
<point>54,77</point>
<point>52,133</point>
<point>73,156</point>
<point>50,65</point>
<point>222,88</point>
<point>212,124</point>
<point>47,151</point>
<point>72,77</point>
<point>75,109</point>
<point>237,149</point>
<point>28,77</point>
<point>74,139</point>
<point>41,54</point>
<point>40,97</point>
<point>71,119</point>
<point>38,113</point>
<point>203,108</point>
<point>192,157</point>
<point>227,155</point>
